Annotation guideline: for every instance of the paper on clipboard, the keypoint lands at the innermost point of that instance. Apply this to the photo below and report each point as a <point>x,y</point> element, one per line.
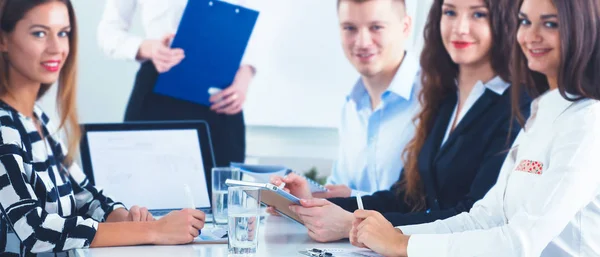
<point>214,35</point>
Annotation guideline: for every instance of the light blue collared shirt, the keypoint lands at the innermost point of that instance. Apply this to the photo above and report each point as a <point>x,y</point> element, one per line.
<point>372,141</point>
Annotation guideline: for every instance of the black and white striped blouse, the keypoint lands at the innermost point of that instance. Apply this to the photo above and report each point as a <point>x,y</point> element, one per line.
<point>50,207</point>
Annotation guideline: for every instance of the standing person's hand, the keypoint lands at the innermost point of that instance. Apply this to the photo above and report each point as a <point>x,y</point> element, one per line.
<point>231,100</point>
<point>160,53</point>
<point>178,227</point>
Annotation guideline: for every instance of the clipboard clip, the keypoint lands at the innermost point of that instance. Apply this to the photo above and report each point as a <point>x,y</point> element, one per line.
<point>210,3</point>
<point>315,252</point>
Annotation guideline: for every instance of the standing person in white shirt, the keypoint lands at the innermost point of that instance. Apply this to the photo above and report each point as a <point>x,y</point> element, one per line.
<point>547,198</point>
<point>161,19</point>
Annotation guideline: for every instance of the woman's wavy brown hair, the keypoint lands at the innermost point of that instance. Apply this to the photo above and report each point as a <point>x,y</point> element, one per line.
<point>11,12</point>
<point>438,76</point>
<point>579,71</point>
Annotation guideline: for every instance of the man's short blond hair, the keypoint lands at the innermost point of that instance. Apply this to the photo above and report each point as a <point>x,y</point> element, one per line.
<point>403,2</point>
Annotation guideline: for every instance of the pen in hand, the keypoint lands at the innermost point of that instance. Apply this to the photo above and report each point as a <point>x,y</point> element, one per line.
<point>190,197</point>
<point>359,202</point>
<point>282,185</point>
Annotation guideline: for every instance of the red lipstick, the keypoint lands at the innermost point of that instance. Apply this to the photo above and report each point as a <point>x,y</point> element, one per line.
<point>51,65</point>
<point>461,44</point>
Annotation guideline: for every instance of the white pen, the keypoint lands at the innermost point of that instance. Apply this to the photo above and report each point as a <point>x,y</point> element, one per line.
<point>282,185</point>
<point>359,202</point>
<point>190,197</point>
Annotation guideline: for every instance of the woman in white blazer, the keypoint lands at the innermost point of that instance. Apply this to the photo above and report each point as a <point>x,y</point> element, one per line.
<point>546,201</point>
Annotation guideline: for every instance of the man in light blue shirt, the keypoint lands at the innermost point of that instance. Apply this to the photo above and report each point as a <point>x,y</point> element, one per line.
<point>377,116</point>
<point>376,121</point>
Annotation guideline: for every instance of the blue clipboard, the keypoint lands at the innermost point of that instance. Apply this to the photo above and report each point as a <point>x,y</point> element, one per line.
<point>214,36</point>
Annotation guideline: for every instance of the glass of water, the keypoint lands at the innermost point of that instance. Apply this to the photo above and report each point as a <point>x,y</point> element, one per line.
<point>219,192</point>
<point>244,220</point>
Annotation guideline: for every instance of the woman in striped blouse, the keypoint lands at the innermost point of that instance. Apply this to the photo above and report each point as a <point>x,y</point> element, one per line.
<point>45,198</point>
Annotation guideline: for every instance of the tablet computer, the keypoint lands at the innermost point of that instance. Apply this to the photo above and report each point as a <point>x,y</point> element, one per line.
<point>273,196</point>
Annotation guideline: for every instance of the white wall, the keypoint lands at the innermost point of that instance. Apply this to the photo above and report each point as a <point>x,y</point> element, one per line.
<point>303,74</point>
<point>104,84</point>
<point>294,104</point>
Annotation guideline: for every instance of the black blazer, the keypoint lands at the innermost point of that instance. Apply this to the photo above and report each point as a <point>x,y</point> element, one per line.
<point>459,173</point>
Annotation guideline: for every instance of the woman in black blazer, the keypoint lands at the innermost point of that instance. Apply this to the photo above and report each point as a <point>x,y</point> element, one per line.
<point>463,130</point>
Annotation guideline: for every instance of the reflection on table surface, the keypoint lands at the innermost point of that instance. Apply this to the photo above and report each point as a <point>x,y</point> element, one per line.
<point>278,236</point>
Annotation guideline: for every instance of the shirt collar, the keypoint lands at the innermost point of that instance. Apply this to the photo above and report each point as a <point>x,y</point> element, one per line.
<point>404,80</point>
<point>39,113</point>
<point>553,103</point>
<point>496,85</point>
<point>401,85</point>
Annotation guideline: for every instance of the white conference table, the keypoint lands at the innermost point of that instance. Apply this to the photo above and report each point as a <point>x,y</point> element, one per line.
<point>278,236</point>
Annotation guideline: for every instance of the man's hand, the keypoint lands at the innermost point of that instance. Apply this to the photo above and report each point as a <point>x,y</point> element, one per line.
<point>334,191</point>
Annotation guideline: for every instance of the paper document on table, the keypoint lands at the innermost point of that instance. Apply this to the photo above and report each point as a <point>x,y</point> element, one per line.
<point>212,235</point>
<point>339,252</point>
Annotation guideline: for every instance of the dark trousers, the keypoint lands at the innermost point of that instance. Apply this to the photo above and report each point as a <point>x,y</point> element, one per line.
<point>228,132</point>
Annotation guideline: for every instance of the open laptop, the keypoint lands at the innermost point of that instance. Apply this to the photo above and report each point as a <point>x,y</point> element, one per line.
<point>149,163</point>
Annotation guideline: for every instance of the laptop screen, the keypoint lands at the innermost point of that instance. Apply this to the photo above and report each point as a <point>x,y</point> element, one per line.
<point>149,167</point>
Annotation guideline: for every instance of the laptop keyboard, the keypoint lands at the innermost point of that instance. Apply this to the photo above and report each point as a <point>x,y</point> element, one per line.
<point>158,213</point>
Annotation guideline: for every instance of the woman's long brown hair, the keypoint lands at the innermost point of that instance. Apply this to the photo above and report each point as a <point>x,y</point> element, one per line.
<point>438,77</point>
<point>579,70</point>
<point>11,12</point>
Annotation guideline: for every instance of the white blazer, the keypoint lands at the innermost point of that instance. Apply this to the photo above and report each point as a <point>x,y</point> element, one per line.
<point>546,201</point>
